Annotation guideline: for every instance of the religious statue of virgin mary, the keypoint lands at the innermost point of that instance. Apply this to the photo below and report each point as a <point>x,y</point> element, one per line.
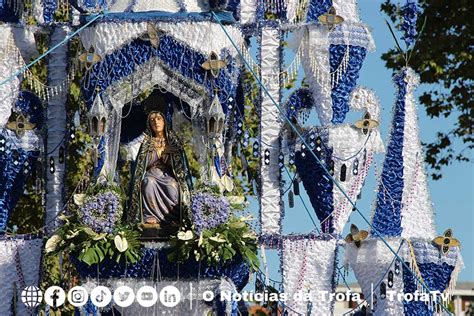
<point>161,182</point>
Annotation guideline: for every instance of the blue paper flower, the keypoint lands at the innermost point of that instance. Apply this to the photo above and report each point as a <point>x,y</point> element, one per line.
<point>410,16</point>
<point>209,211</point>
<point>101,212</point>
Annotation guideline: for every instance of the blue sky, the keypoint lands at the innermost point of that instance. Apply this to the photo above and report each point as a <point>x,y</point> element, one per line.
<point>452,196</point>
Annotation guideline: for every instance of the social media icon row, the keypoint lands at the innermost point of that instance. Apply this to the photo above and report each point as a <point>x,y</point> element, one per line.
<point>101,296</point>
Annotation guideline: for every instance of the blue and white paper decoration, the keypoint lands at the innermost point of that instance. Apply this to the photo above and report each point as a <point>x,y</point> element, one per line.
<point>18,155</point>
<point>403,205</point>
<point>373,264</point>
<point>20,260</point>
<point>403,215</point>
<point>270,125</point>
<point>308,266</point>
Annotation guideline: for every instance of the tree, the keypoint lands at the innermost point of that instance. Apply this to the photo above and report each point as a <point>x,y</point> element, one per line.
<point>442,56</point>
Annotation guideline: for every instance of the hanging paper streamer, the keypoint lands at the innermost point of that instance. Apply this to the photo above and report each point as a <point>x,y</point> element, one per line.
<point>352,154</point>
<point>410,16</point>
<point>44,91</point>
<point>20,259</point>
<point>171,6</point>
<point>275,8</point>
<point>248,11</point>
<point>8,67</point>
<point>332,60</point>
<point>348,10</point>
<point>270,125</point>
<point>403,206</point>
<point>10,11</point>
<point>308,267</point>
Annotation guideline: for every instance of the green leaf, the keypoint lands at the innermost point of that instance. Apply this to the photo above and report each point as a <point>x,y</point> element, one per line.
<point>100,253</point>
<point>90,257</point>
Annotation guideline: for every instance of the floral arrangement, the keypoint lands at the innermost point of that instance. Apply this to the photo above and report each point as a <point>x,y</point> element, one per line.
<point>92,232</point>
<point>216,234</point>
<point>209,211</point>
<point>101,212</point>
<point>217,245</point>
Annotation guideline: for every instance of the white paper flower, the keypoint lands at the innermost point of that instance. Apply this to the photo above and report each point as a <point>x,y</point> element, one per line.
<point>79,199</point>
<point>52,243</point>
<point>188,235</point>
<point>121,243</point>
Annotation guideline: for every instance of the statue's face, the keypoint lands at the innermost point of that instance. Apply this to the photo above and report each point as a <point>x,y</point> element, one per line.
<point>157,123</point>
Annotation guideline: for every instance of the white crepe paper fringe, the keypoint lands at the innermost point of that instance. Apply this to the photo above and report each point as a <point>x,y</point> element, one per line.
<point>204,37</point>
<point>308,265</point>
<point>417,210</point>
<point>371,264</point>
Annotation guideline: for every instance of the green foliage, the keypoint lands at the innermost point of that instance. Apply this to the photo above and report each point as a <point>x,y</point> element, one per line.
<point>92,248</point>
<point>78,159</point>
<point>28,215</point>
<point>443,57</point>
<point>217,245</point>
<point>243,177</point>
<point>52,274</point>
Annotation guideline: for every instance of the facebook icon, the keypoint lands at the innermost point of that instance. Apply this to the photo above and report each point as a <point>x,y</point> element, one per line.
<point>54,296</point>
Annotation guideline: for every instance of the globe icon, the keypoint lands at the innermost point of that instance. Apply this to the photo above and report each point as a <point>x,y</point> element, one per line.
<point>31,296</point>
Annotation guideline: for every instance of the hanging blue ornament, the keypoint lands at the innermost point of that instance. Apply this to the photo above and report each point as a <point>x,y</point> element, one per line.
<point>61,154</point>
<point>281,161</point>
<point>390,279</point>
<point>312,142</point>
<point>291,161</point>
<point>16,158</point>
<point>291,199</point>
<point>255,149</point>
<point>266,157</point>
<point>52,168</point>
<point>383,290</point>
<point>296,186</point>
<point>217,164</point>
<point>355,167</point>
<point>342,176</point>
<point>397,267</point>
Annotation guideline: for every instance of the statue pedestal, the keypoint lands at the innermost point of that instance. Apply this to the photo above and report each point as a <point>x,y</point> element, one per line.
<point>154,232</point>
